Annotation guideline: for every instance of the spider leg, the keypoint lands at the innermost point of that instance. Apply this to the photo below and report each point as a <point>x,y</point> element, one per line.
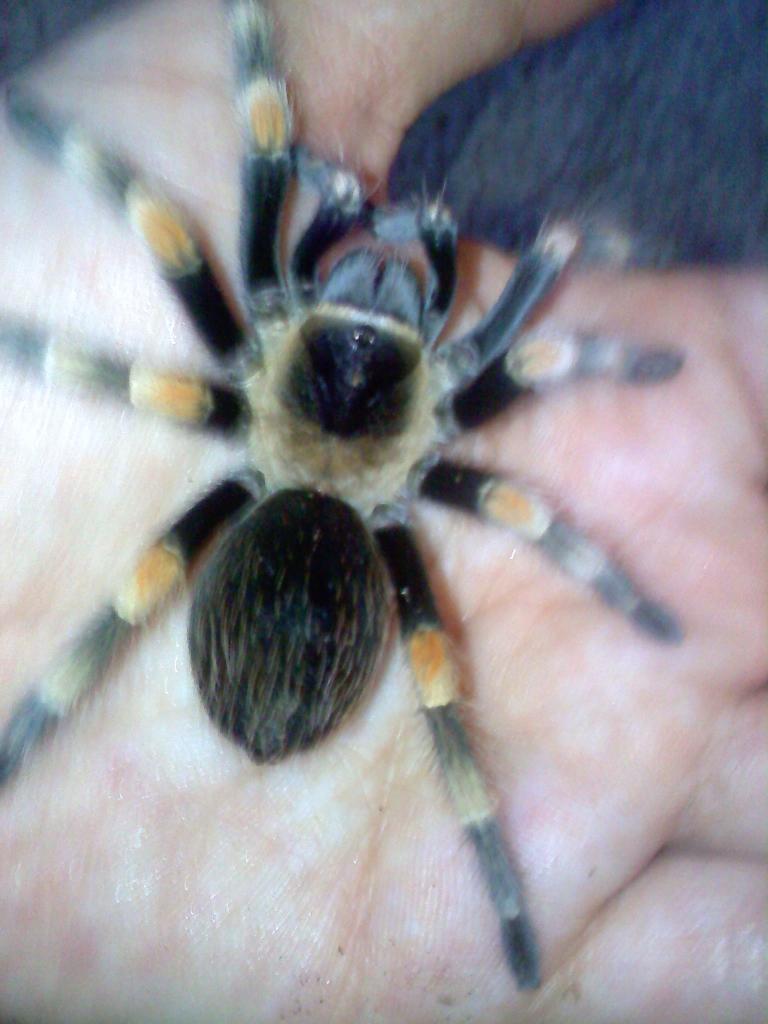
<point>262,100</point>
<point>537,271</point>
<point>190,401</point>
<point>342,206</point>
<point>157,221</point>
<point>522,510</point>
<point>436,677</point>
<point>544,358</point>
<point>432,225</point>
<point>157,575</point>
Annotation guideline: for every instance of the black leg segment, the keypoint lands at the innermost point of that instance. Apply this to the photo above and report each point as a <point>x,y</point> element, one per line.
<point>201,296</point>
<point>487,396</point>
<point>196,527</point>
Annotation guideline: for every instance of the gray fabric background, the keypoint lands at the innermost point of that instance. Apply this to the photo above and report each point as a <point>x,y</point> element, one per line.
<point>650,119</point>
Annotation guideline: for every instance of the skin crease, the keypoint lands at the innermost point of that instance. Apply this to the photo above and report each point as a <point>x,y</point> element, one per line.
<point>150,871</point>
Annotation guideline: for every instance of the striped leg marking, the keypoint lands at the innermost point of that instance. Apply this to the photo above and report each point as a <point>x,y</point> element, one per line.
<point>524,512</point>
<point>436,678</point>
<point>72,674</point>
<point>158,575</point>
<point>156,220</point>
<point>262,100</point>
<point>545,358</point>
<point>189,401</point>
<point>537,272</point>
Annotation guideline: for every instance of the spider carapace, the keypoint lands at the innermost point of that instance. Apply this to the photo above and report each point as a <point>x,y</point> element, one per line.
<point>346,404</point>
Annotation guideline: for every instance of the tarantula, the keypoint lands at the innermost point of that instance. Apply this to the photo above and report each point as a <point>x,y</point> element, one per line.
<point>345,403</point>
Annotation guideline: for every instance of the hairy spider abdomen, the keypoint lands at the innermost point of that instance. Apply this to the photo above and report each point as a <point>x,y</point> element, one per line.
<point>288,619</point>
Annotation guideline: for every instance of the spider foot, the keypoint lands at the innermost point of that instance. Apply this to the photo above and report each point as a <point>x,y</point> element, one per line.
<point>546,357</point>
<point>657,621</point>
<point>521,951</point>
<point>31,719</point>
<point>518,939</point>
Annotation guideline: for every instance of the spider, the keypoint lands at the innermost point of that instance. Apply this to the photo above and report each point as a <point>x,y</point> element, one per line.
<point>345,402</point>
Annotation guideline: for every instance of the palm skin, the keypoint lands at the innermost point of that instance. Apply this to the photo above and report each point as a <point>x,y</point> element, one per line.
<point>151,872</point>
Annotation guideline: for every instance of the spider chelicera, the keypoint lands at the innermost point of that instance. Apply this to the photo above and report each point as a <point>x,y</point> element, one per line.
<point>345,403</point>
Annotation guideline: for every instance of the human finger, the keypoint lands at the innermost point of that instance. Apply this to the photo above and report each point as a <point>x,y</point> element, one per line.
<point>685,941</point>
<point>727,809</point>
<point>362,71</point>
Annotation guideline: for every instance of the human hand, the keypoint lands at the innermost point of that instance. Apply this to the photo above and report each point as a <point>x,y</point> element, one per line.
<point>151,871</point>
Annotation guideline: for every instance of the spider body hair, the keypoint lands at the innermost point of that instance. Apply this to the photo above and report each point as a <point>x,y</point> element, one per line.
<point>345,402</point>
<point>288,621</point>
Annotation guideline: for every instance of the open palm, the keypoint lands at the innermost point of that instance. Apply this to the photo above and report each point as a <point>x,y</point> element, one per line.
<point>150,871</point>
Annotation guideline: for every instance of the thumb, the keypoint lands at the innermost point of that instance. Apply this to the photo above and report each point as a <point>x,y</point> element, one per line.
<point>362,70</point>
